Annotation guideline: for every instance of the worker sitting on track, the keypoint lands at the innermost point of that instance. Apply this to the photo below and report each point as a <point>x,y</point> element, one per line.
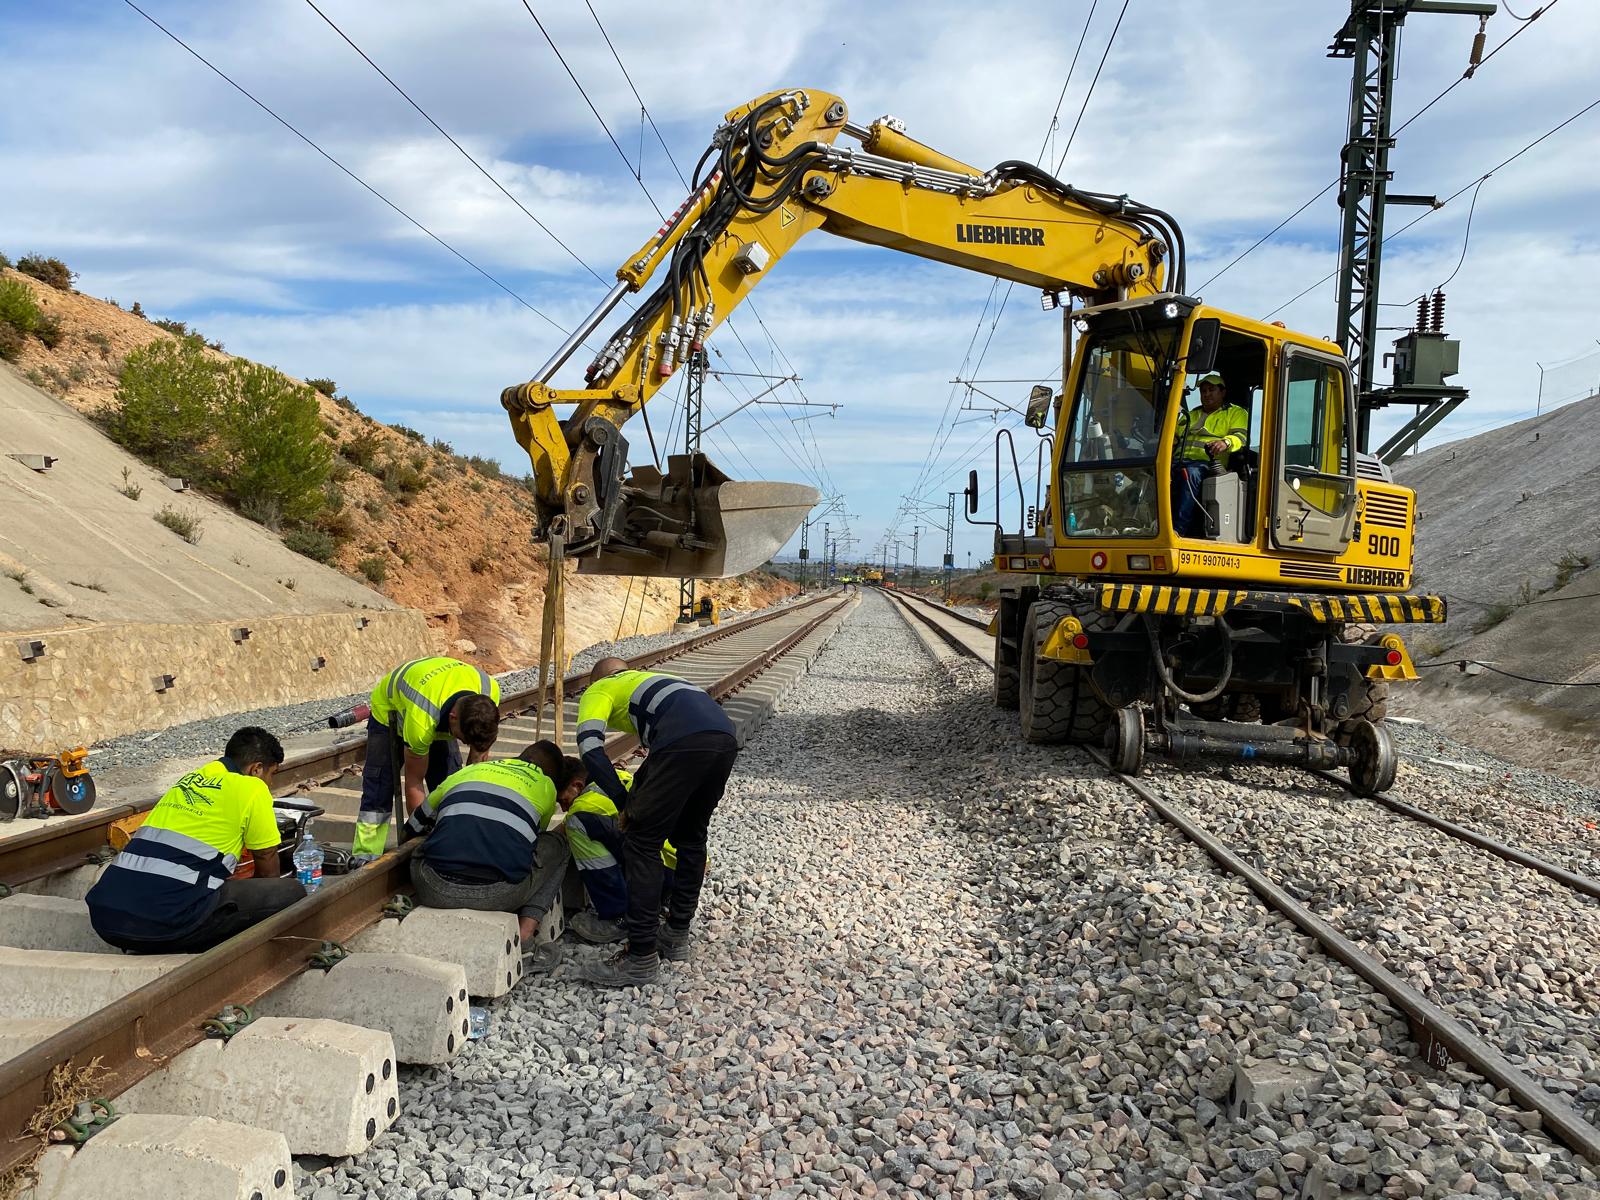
<point>1207,435</point>
<point>484,827</point>
<point>595,841</point>
<point>419,710</point>
<point>169,891</point>
<point>691,750</point>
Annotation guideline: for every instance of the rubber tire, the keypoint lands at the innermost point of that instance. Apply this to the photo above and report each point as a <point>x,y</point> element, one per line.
<point>1369,700</point>
<point>1058,703</point>
<point>1007,675</point>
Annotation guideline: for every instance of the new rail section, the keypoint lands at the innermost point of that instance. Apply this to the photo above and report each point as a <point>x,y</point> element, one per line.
<point>1440,1036</point>
<point>143,1030</point>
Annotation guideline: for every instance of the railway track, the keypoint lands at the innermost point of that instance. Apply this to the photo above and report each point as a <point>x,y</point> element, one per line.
<point>144,1029</point>
<point>1441,1037</point>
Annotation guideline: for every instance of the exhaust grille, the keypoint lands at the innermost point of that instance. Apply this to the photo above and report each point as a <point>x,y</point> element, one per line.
<point>1389,511</point>
<point>1293,570</point>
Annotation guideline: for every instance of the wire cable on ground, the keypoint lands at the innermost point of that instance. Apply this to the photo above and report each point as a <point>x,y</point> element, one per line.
<point>220,74</point>
<point>1463,663</point>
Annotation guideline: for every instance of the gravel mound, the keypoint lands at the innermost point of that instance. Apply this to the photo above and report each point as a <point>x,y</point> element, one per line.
<point>934,960</point>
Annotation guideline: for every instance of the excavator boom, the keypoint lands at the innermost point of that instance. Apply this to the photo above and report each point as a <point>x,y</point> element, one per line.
<point>774,173</point>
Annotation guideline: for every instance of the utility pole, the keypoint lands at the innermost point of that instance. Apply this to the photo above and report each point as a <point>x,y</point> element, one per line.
<point>694,401</point>
<point>949,544</point>
<point>805,551</point>
<point>1370,39</point>
<point>916,536</point>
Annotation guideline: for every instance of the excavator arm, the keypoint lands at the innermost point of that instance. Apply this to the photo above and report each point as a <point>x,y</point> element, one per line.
<point>773,174</point>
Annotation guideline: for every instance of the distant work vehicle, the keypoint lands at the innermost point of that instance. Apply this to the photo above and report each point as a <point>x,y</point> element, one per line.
<point>1188,582</point>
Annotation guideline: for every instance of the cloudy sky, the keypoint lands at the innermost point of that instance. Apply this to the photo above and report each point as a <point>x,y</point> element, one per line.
<point>158,182</point>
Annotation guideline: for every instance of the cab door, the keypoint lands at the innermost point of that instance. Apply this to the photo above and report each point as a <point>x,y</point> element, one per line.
<point>1314,486</point>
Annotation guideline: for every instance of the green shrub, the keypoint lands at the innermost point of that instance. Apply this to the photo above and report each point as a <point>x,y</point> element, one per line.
<point>169,394</point>
<point>185,525</point>
<point>443,447</point>
<point>178,327</point>
<point>137,309</point>
<point>275,459</point>
<point>1492,615</point>
<point>51,271</point>
<point>48,331</point>
<point>362,449</point>
<point>326,386</point>
<point>404,479</point>
<point>4,262</point>
<point>313,543</point>
<point>12,340</point>
<point>1568,565</point>
<point>484,466</point>
<point>20,315</point>
<point>409,432</point>
<point>376,509</point>
<point>374,569</point>
<point>130,489</point>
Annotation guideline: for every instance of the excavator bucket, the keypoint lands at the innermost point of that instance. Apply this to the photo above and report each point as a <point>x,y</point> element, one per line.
<point>694,522</point>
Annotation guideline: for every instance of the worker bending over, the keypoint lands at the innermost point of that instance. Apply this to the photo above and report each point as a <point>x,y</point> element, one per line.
<point>691,748</point>
<point>596,846</point>
<point>419,712</point>
<point>169,891</point>
<point>485,846</point>
<point>1213,431</point>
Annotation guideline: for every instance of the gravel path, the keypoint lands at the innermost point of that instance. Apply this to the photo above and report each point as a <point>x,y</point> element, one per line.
<point>208,736</point>
<point>937,961</point>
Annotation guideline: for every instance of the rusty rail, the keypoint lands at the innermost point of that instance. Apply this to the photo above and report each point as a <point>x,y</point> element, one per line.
<point>143,1030</point>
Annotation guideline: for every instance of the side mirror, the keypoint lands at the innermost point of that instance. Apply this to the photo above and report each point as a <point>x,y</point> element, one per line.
<point>1038,412</point>
<point>972,493</point>
<point>1204,337</point>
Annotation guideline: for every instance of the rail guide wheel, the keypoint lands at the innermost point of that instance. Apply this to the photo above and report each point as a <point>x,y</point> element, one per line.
<point>72,794</point>
<point>12,790</point>
<point>1125,740</point>
<point>1374,763</point>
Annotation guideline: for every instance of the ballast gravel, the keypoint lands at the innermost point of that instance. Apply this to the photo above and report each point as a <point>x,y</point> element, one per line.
<point>208,736</point>
<point>934,960</point>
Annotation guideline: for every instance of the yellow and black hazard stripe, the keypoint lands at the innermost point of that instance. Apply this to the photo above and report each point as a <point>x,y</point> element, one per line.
<point>1201,602</point>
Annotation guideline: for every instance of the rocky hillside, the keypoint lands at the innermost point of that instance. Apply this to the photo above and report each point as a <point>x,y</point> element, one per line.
<point>1509,531</point>
<point>429,528</point>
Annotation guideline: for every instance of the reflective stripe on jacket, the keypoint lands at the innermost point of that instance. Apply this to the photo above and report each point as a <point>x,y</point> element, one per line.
<point>1229,423</point>
<point>589,854</point>
<point>165,880</point>
<point>416,693</point>
<point>483,821</point>
<point>661,709</point>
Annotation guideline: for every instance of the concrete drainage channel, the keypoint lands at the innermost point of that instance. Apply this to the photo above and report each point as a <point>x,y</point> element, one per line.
<point>1441,1037</point>
<point>286,1039</point>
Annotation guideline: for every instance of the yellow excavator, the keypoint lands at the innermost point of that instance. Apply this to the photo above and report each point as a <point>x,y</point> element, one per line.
<point>1243,629</point>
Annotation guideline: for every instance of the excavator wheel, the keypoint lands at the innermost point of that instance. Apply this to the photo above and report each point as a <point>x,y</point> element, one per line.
<point>1373,770</point>
<point>1369,701</point>
<point>1125,740</point>
<point>1007,674</point>
<point>1058,702</point>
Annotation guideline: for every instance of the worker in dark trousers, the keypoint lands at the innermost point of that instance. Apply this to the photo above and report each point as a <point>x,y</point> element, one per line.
<point>691,750</point>
<point>169,891</point>
<point>486,846</point>
<point>420,710</point>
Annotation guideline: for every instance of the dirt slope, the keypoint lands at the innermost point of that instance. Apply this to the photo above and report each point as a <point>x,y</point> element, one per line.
<point>1509,531</point>
<point>453,543</point>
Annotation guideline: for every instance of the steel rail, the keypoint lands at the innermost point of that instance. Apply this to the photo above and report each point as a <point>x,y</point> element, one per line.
<point>140,1032</point>
<point>975,622</point>
<point>949,636</point>
<point>53,849</point>
<point>1440,1036</point>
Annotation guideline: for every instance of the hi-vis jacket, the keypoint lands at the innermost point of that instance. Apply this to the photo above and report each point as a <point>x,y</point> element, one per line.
<point>414,697</point>
<point>485,820</point>
<point>1228,423</point>
<point>165,881</point>
<point>661,709</point>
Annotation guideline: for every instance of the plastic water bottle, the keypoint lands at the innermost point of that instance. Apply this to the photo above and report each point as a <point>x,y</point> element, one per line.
<point>477,1023</point>
<point>308,864</point>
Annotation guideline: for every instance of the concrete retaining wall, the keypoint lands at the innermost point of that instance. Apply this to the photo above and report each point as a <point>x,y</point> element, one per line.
<point>100,681</point>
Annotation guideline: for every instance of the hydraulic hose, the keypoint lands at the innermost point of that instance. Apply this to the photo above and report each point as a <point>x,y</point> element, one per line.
<point>1166,676</point>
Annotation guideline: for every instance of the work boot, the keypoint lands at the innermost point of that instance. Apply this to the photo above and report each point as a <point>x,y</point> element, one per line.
<point>673,944</point>
<point>542,959</point>
<point>592,927</point>
<point>622,970</point>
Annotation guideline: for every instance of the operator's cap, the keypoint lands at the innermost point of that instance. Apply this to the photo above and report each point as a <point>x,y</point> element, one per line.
<point>1213,377</point>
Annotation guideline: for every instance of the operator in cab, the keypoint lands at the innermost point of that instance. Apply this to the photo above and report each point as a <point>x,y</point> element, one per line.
<point>420,711</point>
<point>1207,435</point>
<point>486,844</point>
<point>691,750</point>
<point>169,891</point>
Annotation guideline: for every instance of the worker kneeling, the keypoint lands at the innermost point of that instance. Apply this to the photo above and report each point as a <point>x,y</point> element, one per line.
<point>419,710</point>
<point>485,846</point>
<point>691,750</point>
<point>595,841</point>
<point>169,891</point>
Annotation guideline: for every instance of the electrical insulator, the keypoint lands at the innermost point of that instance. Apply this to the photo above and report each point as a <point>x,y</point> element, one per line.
<point>1476,57</point>
<point>1422,313</point>
<point>1438,312</point>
